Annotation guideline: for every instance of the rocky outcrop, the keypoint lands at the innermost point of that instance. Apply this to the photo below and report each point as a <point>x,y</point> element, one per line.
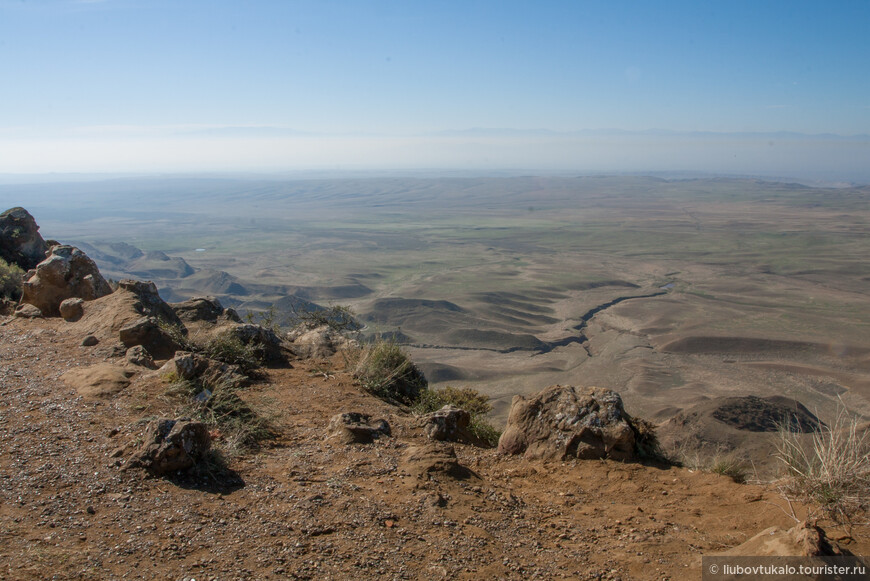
<point>207,309</point>
<point>802,540</point>
<point>564,422</point>
<point>146,331</point>
<point>67,272</point>
<point>20,241</point>
<point>267,342</point>
<point>450,423</point>
<point>318,342</point>
<point>356,428</point>
<point>191,366</point>
<point>148,302</point>
<point>171,446</point>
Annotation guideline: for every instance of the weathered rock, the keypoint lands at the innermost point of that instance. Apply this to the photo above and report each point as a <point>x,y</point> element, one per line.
<point>170,446</point>
<point>98,381</point>
<point>207,309</point>
<point>139,356</point>
<point>89,341</point>
<point>449,423</point>
<point>802,540</point>
<point>67,272</point>
<point>148,302</point>
<point>268,343</point>
<point>434,460</point>
<point>25,311</point>
<point>356,428</point>
<point>72,309</point>
<point>20,241</point>
<point>189,366</point>
<point>569,422</point>
<point>319,342</point>
<point>147,332</point>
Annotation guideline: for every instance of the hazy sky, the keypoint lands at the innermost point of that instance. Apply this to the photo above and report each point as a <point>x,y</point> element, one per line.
<point>176,85</point>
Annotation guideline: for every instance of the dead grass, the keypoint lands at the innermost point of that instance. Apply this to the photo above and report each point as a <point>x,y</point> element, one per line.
<point>830,473</point>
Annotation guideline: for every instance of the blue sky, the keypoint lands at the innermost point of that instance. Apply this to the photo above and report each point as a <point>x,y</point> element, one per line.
<point>142,85</point>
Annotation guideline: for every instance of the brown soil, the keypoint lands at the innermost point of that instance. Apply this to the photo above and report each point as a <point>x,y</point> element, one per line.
<point>308,509</point>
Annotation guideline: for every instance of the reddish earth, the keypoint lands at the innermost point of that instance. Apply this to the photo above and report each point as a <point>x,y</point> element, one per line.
<point>309,509</point>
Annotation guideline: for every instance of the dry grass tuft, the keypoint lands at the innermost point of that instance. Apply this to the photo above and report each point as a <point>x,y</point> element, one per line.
<point>832,472</point>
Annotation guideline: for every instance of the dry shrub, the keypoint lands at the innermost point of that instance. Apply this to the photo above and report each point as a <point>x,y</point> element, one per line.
<point>831,472</point>
<point>385,370</point>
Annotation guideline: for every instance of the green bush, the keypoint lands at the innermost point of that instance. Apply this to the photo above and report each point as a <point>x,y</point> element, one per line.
<point>11,277</point>
<point>386,371</point>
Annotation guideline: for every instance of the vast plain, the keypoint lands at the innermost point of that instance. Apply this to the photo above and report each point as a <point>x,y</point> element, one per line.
<point>672,292</point>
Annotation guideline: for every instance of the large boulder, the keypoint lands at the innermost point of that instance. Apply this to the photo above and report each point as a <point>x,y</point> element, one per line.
<point>20,241</point>
<point>67,272</point>
<point>170,446</point>
<point>564,422</point>
<point>317,341</point>
<point>207,309</point>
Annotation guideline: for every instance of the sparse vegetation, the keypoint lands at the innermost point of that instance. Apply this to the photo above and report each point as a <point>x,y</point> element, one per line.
<point>475,403</point>
<point>234,423</point>
<point>228,348</point>
<point>385,370</point>
<point>646,441</point>
<point>11,277</point>
<point>225,347</point>
<point>337,317</point>
<point>831,472</point>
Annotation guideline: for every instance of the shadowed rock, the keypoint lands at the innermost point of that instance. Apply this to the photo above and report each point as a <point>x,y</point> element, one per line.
<point>569,422</point>
<point>356,428</point>
<point>20,241</point>
<point>147,332</point>
<point>170,446</point>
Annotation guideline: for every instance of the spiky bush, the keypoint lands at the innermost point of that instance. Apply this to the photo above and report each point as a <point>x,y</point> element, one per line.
<point>831,472</point>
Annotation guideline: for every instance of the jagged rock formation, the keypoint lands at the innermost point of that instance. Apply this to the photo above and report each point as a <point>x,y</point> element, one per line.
<point>450,423</point>
<point>569,422</point>
<point>20,241</point>
<point>67,272</point>
<point>170,446</point>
